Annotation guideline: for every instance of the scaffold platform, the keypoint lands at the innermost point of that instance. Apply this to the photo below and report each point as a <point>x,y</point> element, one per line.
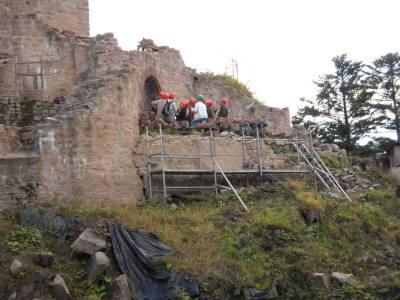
<point>255,152</point>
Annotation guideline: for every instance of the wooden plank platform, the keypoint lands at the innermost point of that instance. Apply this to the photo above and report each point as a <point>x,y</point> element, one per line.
<point>231,172</point>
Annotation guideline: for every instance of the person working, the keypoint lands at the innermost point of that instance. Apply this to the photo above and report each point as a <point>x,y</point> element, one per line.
<point>165,108</point>
<point>223,111</point>
<point>183,113</point>
<point>200,111</point>
<point>211,110</point>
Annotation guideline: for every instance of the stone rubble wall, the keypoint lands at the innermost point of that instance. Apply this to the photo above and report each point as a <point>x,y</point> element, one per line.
<point>71,15</point>
<point>89,155</point>
<point>86,142</point>
<point>278,119</point>
<point>9,142</point>
<point>17,175</point>
<point>28,113</point>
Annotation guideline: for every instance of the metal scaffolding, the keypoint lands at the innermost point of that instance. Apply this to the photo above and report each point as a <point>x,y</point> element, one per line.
<point>303,159</point>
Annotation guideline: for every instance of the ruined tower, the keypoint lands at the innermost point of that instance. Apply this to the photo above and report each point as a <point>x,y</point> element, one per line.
<point>20,17</point>
<point>32,35</point>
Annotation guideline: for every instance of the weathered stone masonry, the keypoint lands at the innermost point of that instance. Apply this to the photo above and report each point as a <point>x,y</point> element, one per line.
<point>69,105</point>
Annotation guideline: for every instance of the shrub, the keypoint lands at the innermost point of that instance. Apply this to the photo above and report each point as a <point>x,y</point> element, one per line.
<point>240,87</point>
<point>310,201</point>
<point>22,238</point>
<point>332,161</point>
<point>295,185</point>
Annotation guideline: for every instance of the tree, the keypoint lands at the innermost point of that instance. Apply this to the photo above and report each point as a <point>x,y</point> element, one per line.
<point>385,77</point>
<point>343,108</point>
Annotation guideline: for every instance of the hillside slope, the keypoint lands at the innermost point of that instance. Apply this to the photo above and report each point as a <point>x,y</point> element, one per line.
<point>290,234</point>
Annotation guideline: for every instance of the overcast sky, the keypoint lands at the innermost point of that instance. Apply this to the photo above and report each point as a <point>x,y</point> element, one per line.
<point>280,46</point>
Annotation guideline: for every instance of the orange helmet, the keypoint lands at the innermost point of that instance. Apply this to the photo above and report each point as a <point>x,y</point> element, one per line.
<point>209,102</point>
<point>172,95</point>
<point>165,96</point>
<point>224,100</point>
<point>184,103</point>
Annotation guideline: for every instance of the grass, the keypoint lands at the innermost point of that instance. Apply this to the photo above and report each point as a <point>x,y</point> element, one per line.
<point>281,247</point>
<point>332,161</point>
<point>240,87</point>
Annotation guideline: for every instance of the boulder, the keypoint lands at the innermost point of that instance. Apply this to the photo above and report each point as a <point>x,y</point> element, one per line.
<point>97,265</point>
<point>173,206</point>
<point>44,259</point>
<point>120,289</point>
<point>88,242</point>
<point>60,289</point>
<point>25,291</point>
<point>344,278</point>
<point>16,267</point>
<point>321,280</point>
<point>335,148</point>
<point>243,240</point>
<point>256,294</point>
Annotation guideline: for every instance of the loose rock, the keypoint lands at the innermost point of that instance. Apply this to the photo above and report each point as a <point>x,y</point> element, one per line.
<point>16,267</point>
<point>120,289</point>
<point>344,278</point>
<point>44,259</point>
<point>25,291</point>
<point>243,240</point>
<point>97,265</point>
<point>88,242</point>
<point>256,294</point>
<point>321,280</point>
<point>60,289</point>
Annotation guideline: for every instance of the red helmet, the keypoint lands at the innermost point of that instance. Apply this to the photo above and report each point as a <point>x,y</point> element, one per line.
<point>209,102</point>
<point>172,95</point>
<point>184,103</point>
<point>224,100</point>
<point>165,96</point>
<point>162,94</point>
<point>193,101</point>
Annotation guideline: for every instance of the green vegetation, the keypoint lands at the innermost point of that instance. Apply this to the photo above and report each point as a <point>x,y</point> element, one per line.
<point>99,289</point>
<point>2,113</point>
<point>229,251</point>
<point>27,114</point>
<point>280,149</point>
<point>332,161</point>
<point>240,87</point>
<point>22,239</point>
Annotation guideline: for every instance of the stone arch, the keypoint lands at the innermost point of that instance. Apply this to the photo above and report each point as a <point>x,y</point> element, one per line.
<point>151,91</point>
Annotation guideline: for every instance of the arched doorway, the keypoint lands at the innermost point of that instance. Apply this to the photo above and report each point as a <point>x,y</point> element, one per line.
<point>151,91</point>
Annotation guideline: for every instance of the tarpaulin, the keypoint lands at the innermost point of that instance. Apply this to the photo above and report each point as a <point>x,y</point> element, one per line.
<point>132,250</point>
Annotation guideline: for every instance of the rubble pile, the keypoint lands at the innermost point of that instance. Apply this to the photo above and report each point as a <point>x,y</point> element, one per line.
<point>352,179</point>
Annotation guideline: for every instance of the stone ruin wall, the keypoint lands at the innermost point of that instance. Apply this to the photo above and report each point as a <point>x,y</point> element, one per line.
<point>47,31</point>
<point>86,142</point>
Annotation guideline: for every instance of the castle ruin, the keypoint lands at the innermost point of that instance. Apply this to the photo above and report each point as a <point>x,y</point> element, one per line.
<point>70,104</point>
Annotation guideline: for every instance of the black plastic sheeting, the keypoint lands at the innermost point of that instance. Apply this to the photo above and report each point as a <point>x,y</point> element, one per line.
<point>49,222</point>
<point>132,250</point>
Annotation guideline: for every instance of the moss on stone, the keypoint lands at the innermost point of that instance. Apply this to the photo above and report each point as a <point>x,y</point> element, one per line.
<point>26,117</point>
<point>2,113</point>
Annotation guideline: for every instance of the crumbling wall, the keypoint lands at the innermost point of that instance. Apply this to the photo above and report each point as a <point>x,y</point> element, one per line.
<point>85,105</point>
<point>18,180</point>
<point>71,15</point>
<point>28,113</point>
<point>89,156</point>
<point>278,119</point>
<point>9,142</point>
<point>34,31</point>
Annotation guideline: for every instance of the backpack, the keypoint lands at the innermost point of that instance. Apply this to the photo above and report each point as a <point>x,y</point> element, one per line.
<point>169,109</point>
